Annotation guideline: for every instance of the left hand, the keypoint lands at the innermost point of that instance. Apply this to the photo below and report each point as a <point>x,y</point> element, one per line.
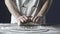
<point>36,18</point>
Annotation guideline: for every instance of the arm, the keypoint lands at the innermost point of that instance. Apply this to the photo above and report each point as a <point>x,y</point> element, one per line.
<point>44,8</point>
<point>43,11</point>
<point>12,8</point>
<point>14,11</point>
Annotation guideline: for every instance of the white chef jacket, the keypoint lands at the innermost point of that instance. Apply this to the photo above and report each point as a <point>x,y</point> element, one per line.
<point>28,8</point>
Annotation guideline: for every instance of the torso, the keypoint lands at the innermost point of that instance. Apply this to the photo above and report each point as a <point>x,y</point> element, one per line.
<point>28,7</point>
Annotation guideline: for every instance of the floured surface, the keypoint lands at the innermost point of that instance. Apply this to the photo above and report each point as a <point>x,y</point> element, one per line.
<point>38,29</point>
<point>14,27</point>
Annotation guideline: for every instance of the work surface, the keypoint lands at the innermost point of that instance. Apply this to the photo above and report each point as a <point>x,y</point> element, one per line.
<point>14,29</point>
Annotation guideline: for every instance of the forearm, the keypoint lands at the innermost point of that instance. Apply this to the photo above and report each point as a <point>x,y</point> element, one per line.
<point>12,8</point>
<point>44,8</point>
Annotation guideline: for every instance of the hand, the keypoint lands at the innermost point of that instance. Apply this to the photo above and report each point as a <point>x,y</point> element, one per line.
<point>22,19</point>
<point>36,19</point>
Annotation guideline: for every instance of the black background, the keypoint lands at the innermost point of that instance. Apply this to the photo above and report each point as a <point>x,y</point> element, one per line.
<point>52,16</point>
<point>4,13</point>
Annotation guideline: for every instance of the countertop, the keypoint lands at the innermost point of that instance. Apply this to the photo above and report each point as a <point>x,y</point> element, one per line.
<point>14,29</point>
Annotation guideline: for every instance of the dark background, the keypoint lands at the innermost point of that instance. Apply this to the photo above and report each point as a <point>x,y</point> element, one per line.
<point>52,16</point>
<point>4,13</point>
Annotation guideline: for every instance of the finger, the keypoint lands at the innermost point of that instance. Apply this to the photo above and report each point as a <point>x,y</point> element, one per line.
<point>21,20</point>
<point>19,17</point>
<point>32,17</point>
<point>37,19</point>
<point>34,20</point>
<point>25,17</point>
